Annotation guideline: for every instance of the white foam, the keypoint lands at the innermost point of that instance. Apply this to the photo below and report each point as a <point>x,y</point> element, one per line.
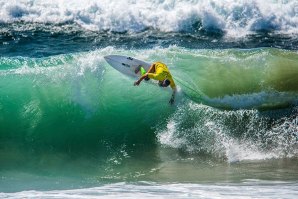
<point>248,190</point>
<point>217,132</point>
<point>235,17</point>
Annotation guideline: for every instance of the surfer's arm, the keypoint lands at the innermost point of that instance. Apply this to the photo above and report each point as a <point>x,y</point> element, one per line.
<point>174,88</point>
<point>151,69</point>
<point>172,100</point>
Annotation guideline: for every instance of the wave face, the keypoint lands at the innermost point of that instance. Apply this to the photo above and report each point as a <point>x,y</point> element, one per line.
<point>75,103</point>
<point>233,17</point>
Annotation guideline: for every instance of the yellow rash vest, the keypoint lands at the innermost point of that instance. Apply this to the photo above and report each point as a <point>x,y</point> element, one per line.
<point>161,73</point>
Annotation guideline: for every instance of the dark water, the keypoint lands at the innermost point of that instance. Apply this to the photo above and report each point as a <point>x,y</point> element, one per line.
<point>39,40</point>
<point>70,125</point>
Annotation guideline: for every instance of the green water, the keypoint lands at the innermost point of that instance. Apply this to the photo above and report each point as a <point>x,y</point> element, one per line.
<point>74,119</point>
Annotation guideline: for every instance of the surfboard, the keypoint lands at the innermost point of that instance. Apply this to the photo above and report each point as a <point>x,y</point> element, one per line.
<point>127,65</point>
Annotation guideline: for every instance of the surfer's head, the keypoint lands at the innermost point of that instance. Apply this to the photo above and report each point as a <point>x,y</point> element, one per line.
<point>164,83</point>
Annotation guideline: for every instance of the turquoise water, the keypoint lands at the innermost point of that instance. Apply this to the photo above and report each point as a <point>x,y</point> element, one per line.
<point>73,127</point>
<point>72,121</point>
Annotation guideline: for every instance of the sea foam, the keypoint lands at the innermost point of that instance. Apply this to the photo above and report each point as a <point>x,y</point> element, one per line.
<point>233,17</point>
<point>197,128</point>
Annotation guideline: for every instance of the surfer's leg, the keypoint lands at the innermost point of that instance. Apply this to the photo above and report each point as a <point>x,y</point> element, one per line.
<point>151,69</point>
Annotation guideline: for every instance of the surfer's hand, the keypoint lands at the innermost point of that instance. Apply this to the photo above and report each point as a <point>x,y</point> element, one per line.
<point>136,83</point>
<point>171,101</point>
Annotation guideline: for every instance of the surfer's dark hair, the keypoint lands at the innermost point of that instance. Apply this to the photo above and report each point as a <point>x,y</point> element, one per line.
<point>166,82</point>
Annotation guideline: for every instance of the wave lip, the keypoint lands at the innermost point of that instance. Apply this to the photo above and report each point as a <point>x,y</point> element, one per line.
<point>235,18</point>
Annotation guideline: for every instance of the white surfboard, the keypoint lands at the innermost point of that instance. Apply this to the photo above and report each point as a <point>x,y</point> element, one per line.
<point>127,65</point>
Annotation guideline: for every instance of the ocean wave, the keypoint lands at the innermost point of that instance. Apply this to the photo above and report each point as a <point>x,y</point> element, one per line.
<point>233,17</point>
<point>77,105</point>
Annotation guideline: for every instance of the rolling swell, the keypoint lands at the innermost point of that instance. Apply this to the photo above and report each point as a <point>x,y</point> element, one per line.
<point>43,40</point>
<point>78,106</point>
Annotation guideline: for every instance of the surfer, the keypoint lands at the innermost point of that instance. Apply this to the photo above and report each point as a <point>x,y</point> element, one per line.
<point>158,71</point>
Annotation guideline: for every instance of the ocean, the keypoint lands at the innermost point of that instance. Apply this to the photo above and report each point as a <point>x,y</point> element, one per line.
<point>71,126</point>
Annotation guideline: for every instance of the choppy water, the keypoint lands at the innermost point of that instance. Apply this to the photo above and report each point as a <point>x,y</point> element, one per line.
<point>73,127</point>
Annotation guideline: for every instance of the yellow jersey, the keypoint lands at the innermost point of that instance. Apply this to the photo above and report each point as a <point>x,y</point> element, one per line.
<point>161,73</point>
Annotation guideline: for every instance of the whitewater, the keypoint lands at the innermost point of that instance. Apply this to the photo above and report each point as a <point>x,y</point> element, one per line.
<point>235,17</point>
<point>71,126</point>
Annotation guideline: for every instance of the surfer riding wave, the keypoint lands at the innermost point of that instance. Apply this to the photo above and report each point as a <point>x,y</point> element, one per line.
<point>158,71</point>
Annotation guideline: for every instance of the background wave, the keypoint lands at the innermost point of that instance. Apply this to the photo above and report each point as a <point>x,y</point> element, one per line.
<point>234,18</point>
